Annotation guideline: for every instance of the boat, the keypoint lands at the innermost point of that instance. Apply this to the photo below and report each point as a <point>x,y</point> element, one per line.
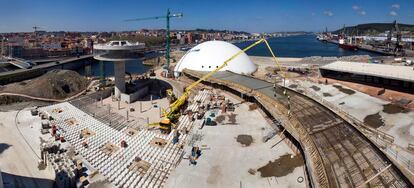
<point>347,45</point>
<point>345,42</point>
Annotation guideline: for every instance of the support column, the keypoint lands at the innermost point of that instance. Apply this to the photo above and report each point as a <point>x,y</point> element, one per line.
<point>119,69</point>
<point>102,73</point>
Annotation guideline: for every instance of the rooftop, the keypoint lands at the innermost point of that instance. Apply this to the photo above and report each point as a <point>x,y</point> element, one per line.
<point>405,73</point>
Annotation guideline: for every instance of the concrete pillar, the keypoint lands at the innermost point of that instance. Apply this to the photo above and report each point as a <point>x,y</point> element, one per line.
<point>119,69</point>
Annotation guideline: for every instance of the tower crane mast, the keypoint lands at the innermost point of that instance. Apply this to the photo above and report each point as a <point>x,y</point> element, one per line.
<point>168,16</point>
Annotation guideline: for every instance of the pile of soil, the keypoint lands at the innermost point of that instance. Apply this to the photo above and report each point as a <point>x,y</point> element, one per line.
<point>55,84</point>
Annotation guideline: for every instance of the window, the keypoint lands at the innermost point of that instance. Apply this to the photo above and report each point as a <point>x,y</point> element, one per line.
<point>216,66</point>
<point>202,66</point>
<point>123,43</point>
<point>209,67</point>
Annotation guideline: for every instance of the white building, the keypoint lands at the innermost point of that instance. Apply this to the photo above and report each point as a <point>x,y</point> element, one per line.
<point>209,55</point>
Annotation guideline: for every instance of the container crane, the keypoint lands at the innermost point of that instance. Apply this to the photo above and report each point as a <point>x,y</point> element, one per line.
<point>170,115</point>
<point>167,17</point>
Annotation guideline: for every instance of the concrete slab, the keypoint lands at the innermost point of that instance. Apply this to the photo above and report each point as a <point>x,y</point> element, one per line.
<point>224,162</point>
<point>360,105</point>
<point>19,151</point>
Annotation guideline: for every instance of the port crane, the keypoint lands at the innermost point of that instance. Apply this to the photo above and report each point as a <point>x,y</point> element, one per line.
<point>171,114</point>
<point>168,16</point>
<point>398,45</point>
<point>398,48</point>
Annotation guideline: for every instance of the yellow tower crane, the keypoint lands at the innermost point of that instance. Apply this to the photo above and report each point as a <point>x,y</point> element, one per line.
<point>171,113</point>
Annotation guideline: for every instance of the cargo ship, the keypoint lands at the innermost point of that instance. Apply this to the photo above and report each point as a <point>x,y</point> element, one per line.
<point>347,45</point>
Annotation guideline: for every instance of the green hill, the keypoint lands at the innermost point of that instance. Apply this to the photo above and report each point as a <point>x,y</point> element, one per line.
<point>375,28</point>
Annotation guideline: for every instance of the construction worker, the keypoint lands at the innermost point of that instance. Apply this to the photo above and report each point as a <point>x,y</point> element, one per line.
<point>192,161</point>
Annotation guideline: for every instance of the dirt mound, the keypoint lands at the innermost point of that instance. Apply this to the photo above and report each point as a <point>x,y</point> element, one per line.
<point>55,84</point>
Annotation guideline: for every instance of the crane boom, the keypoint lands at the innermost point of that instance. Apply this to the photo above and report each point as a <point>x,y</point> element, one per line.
<point>180,101</point>
<point>146,18</point>
<point>169,115</point>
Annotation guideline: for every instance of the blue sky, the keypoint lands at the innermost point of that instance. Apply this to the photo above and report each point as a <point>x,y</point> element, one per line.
<point>246,15</point>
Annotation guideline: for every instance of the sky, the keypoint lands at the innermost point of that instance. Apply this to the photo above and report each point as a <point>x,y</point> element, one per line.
<point>240,15</point>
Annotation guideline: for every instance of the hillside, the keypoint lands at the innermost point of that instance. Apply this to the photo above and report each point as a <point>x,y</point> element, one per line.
<point>55,84</point>
<point>375,28</point>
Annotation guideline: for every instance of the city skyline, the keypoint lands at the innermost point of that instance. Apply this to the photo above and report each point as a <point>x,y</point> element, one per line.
<point>257,16</point>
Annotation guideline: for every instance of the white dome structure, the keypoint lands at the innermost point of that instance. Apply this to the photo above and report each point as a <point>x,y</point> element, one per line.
<point>207,56</point>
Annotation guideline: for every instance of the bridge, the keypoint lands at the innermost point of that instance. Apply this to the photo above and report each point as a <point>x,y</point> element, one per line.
<point>37,70</point>
<point>336,153</point>
<point>19,63</point>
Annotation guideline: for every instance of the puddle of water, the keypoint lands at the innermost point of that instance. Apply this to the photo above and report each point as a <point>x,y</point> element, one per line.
<point>220,118</point>
<point>344,90</point>
<point>245,139</point>
<point>316,88</point>
<point>374,120</point>
<point>281,166</point>
<point>394,109</point>
<point>232,118</point>
<point>326,94</point>
<point>293,86</point>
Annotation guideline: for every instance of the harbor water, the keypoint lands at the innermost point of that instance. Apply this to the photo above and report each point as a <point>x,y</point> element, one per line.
<point>291,46</point>
<point>300,46</point>
<point>92,68</point>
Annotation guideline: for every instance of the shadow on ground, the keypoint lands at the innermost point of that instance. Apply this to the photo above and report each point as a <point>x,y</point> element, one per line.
<point>4,147</point>
<point>12,180</point>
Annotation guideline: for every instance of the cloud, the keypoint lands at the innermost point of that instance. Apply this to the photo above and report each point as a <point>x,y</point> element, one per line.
<point>396,6</point>
<point>313,14</point>
<point>359,10</point>
<point>328,13</point>
<point>356,7</point>
<point>393,13</point>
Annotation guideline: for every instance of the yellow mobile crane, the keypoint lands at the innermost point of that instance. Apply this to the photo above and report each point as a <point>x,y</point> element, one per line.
<point>169,116</point>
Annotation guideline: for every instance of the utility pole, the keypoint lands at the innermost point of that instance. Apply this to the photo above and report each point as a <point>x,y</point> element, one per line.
<point>167,42</point>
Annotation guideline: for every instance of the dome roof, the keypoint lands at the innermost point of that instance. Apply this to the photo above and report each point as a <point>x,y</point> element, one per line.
<point>207,56</point>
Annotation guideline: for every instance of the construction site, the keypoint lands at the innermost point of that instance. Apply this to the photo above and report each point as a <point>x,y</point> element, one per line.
<point>217,123</point>
<point>215,117</point>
